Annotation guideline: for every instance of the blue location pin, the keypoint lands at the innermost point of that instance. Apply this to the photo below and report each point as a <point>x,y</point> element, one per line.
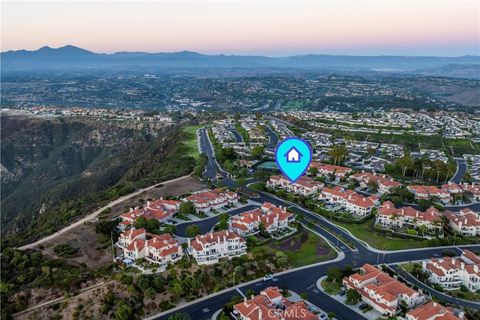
<point>293,156</point>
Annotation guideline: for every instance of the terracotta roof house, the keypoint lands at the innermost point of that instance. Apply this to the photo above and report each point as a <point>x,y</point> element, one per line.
<point>431,311</point>
<point>381,291</point>
<point>209,248</point>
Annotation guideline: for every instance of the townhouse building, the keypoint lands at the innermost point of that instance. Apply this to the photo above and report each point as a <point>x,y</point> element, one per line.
<point>271,305</point>
<point>272,218</point>
<point>161,210</point>
<point>473,189</point>
<point>381,291</point>
<point>304,186</point>
<point>385,183</point>
<point>349,200</point>
<point>466,222</point>
<point>451,273</point>
<point>214,199</point>
<point>427,192</point>
<point>159,249</point>
<point>210,247</point>
<point>328,169</point>
<point>432,311</point>
<point>408,217</point>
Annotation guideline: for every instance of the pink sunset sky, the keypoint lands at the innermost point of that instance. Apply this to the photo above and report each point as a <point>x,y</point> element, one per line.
<point>276,28</point>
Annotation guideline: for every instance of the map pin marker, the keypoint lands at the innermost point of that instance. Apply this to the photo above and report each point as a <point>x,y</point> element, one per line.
<point>293,156</point>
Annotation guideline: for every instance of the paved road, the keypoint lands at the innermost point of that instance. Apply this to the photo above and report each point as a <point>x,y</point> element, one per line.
<point>445,297</point>
<point>461,169</point>
<point>237,135</point>
<point>304,280</point>
<point>273,139</point>
<point>95,214</point>
<point>206,225</point>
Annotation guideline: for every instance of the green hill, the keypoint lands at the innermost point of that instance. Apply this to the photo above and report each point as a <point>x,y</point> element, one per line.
<point>55,170</point>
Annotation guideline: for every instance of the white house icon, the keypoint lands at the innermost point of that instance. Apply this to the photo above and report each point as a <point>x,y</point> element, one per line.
<point>293,155</point>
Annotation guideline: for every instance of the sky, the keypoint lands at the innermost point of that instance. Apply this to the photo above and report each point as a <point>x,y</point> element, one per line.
<point>263,27</point>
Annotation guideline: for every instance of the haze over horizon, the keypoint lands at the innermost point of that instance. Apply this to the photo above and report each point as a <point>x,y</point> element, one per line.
<point>421,28</point>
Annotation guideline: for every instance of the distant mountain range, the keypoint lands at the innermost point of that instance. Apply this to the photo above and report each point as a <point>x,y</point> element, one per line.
<point>74,57</point>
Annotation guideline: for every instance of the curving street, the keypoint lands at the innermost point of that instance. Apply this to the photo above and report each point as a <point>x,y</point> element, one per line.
<point>304,279</point>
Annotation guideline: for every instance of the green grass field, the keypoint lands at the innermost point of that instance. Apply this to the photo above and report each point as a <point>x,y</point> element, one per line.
<point>379,241</point>
<point>304,251</point>
<point>191,140</point>
<point>330,287</point>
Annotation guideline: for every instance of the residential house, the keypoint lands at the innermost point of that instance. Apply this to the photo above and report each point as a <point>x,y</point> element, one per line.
<point>466,222</point>
<point>349,200</point>
<point>304,186</point>
<point>160,249</point>
<point>389,217</point>
<point>211,247</point>
<point>272,218</point>
<point>328,169</point>
<point>214,199</point>
<point>431,311</point>
<point>381,291</point>
<point>271,305</point>
<point>427,192</point>
<point>161,210</point>
<point>451,273</point>
<point>473,189</point>
<point>385,184</point>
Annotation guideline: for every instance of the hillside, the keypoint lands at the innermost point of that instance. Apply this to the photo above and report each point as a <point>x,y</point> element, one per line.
<point>55,170</point>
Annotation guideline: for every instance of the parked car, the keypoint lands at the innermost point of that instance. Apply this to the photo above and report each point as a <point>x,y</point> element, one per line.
<point>268,277</point>
<point>323,316</point>
<point>342,292</point>
<point>312,308</point>
<point>363,306</point>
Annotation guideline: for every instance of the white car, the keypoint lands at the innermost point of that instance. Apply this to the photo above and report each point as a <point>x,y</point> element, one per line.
<point>268,277</point>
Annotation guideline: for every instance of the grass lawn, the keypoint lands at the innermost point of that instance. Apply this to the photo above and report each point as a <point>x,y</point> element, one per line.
<point>302,249</point>
<point>191,140</point>
<point>409,266</point>
<point>379,241</point>
<point>472,296</point>
<point>330,287</point>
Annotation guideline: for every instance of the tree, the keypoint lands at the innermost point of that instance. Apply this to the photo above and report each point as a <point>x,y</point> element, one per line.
<point>223,221</point>
<point>353,297</point>
<point>123,312</point>
<point>331,315</point>
<point>313,171</point>
<point>186,207</point>
<point>170,228</point>
<point>150,293</point>
<point>371,151</point>
<point>257,152</point>
<point>373,186</point>
<point>338,153</point>
<point>334,274</point>
<point>192,230</point>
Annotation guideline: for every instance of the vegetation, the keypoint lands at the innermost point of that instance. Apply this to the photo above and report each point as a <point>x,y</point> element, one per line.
<point>65,250</point>
<point>90,175</point>
<point>23,270</point>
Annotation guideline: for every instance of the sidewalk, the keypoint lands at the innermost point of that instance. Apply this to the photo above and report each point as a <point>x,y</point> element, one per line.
<point>371,315</point>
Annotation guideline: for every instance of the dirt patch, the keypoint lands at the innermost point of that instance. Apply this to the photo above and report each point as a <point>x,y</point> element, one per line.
<point>94,250</point>
<point>293,244</point>
<point>173,189</point>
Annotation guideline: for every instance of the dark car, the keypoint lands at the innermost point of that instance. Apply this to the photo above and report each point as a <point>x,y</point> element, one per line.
<point>363,306</point>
